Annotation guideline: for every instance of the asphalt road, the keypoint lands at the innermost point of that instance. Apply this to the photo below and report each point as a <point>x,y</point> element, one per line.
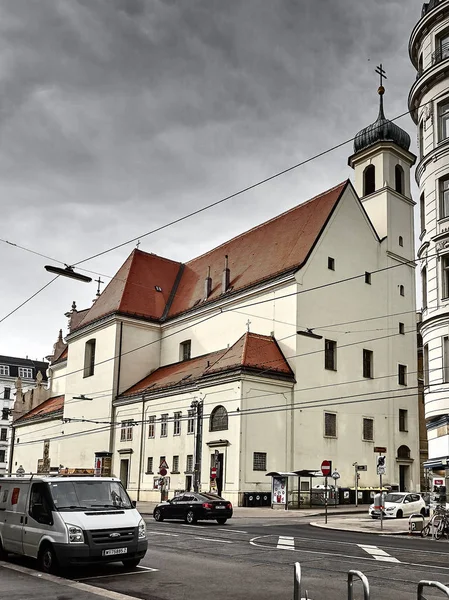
<point>253,559</point>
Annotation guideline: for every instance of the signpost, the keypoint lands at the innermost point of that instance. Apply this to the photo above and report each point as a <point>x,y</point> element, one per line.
<point>163,468</point>
<point>381,470</point>
<point>335,477</point>
<point>326,469</point>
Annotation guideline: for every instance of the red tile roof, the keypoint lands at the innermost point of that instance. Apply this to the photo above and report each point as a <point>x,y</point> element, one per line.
<point>134,289</point>
<point>62,357</point>
<point>257,353</point>
<point>50,407</point>
<point>278,246</point>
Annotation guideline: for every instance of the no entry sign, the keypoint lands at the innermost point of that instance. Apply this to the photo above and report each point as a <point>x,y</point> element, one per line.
<point>326,467</point>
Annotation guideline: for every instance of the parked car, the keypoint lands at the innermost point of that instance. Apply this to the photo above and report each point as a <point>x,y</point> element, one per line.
<point>400,504</point>
<point>192,507</point>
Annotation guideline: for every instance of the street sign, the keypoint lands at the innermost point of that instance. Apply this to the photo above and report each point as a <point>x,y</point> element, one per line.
<point>381,470</point>
<point>163,465</point>
<point>335,475</point>
<point>381,465</point>
<point>213,473</point>
<point>163,472</point>
<point>362,468</point>
<point>380,449</point>
<point>326,468</point>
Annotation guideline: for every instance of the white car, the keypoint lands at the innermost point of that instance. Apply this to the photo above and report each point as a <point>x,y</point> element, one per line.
<point>400,504</point>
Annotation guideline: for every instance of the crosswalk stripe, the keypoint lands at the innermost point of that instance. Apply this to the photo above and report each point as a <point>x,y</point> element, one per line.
<point>286,543</point>
<point>377,553</point>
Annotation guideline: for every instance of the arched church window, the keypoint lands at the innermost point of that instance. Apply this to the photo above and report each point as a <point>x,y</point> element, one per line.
<point>399,179</point>
<point>403,452</point>
<point>219,419</point>
<point>369,180</point>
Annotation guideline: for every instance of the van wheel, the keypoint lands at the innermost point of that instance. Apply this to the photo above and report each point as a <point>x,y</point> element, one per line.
<point>130,563</point>
<point>190,518</point>
<point>3,553</point>
<point>47,560</point>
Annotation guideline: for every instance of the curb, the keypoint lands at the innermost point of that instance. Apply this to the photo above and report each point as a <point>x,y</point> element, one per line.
<point>341,528</point>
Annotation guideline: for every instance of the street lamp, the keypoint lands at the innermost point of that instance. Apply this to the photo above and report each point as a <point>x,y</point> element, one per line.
<point>309,333</point>
<point>68,272</point>
<point>197,406</point>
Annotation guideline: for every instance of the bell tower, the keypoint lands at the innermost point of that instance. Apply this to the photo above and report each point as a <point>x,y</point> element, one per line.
<point>382,163</point>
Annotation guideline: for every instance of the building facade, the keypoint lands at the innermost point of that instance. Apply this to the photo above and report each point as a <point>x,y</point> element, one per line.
<point>11,369</point>
<point>429,107</point>
<point>291,343</point>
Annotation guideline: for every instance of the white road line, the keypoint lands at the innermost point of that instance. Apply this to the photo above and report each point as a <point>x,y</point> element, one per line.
<point>377,553</point>
<point>162,533</point>
<point>286,543</point>
<point>232,530</point>
<point>141,572</point>
<point>214,540</point>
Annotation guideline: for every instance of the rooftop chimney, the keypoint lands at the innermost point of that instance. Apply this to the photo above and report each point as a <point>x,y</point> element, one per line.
<point>207,284</point>
<point>226,276</point>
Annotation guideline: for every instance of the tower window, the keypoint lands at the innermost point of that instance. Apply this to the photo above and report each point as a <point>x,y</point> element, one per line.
<point>401,290</point>
<point>369,180</point>
<point>368,364</point>
<point>331,263</point>
<point>89,358</point>
<point>402,374</point>
<point>443,121</point>
<point>399,179</point>
<point>401,241</point>
<point>330,355</point>
<point>367,277</point>
<point>401,328</point>
<point>185,349</point>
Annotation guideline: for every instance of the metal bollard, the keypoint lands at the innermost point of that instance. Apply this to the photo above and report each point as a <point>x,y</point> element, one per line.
<point>365,584</point>
<point>297,582</point>
<point>434,584</point>
<point>415,526</point>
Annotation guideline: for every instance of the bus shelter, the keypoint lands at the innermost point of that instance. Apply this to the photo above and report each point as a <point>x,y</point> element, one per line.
<point>296,489</point>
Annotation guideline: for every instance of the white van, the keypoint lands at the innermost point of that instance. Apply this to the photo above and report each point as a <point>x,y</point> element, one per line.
<point>65,521</point>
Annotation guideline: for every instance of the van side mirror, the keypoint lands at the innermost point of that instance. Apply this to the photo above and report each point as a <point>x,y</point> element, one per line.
<point>133,503</point>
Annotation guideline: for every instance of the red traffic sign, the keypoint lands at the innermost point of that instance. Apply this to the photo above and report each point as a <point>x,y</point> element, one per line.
<point>326,467</point>
<point>163,472</point>
<point>213,473</point>
<point>163,465</point>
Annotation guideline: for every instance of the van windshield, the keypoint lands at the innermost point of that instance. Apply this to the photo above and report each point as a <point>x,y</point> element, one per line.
<point>91,495</point>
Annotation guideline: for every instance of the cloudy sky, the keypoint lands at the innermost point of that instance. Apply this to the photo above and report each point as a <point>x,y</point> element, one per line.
<point>117,116</point>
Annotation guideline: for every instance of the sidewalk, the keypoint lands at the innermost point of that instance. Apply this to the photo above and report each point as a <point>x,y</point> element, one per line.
<point>365,524</point>
<point>17,581</point>
<point>266,512</point>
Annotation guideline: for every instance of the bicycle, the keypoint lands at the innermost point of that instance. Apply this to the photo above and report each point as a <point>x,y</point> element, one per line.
<point>439,523</point>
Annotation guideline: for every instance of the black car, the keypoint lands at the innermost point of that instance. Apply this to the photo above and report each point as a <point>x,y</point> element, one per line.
<point>192,507</point>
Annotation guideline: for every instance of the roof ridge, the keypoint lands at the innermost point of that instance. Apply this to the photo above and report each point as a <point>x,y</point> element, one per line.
<point>341,184</point>
<point>137,250</point>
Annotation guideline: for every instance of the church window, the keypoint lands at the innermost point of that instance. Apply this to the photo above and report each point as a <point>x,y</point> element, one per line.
<point>219,419</point>
<point>331,263</point>
<point>401,241</point>
<point>401,290</point>
<point>369,180</point>
<point>185,349</point>
<point>399,179</point>
<point>367,277</point>
<point>89,358</point>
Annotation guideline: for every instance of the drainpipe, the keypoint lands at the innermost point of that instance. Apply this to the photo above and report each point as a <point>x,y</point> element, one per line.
<point>11,452</point>
<point>141,453</point>
<point>113,411</point>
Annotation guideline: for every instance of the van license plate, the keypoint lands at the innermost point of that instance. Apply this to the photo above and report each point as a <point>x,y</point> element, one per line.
<point>114,551</point>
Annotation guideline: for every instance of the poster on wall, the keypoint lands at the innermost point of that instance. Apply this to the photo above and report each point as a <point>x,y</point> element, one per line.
<point>279,490</point>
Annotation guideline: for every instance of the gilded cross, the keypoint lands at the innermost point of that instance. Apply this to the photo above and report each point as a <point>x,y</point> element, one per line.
<point>381,73</point>
<point>99,282</point>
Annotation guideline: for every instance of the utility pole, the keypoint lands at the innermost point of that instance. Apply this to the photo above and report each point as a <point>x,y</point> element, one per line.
<point>356,482</point>
<point>197,405</point>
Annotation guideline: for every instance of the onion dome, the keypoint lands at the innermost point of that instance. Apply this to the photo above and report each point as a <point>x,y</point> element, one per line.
<point>382,130</point>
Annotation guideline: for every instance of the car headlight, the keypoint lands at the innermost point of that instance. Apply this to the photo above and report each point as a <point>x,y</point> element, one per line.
<point>76,535</point>
<point>142,530</point>
<point>390,508</point>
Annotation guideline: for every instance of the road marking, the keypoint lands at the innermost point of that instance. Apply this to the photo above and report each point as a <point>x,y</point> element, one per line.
<point>232,530</point>
<point>162,533</point>
<point>214,540</point>
<point>286,542</point>
<point>140,572</point>
<point>377,553</point>
<point>84,587</point>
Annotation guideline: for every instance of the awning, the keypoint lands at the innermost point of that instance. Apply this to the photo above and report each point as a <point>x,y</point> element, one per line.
<point>280,474</point>
<point>442,462</point>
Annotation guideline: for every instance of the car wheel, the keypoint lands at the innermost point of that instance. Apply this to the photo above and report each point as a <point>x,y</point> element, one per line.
<point>221,521</point>
<point>130,563</point>
<point>423,512</point>
<point>48,563</point>
<point>190,518</point>
<point>399,514</point>
<point>158,516</point>
<point>3,553</point>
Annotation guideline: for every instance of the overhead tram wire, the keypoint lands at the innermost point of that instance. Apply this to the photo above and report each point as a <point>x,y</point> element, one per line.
<point>28,299</point>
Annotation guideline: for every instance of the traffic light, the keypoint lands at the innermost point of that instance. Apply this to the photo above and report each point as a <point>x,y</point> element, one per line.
<point>381,461</point>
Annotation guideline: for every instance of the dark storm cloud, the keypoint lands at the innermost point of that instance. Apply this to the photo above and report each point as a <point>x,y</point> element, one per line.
<point>118,115</point>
